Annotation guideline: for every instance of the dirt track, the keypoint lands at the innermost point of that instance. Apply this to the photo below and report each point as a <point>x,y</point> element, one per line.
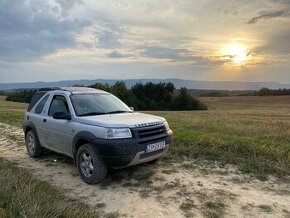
<point>195,189</point>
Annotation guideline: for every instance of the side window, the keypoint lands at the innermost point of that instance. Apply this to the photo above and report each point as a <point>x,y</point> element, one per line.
<point>34,100</point>
<point>40,105</point>
<point>58,104</point>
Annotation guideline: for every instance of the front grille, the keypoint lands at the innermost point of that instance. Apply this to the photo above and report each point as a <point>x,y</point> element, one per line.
<point>151,131</point>
<point>151,134</point>
<point>145,155</point>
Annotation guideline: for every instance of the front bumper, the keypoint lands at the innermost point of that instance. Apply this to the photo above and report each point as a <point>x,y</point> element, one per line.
<point>127,152</point>
<point>143,157</point>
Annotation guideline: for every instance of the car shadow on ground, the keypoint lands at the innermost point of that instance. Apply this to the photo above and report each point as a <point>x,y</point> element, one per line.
<point>133,176</point>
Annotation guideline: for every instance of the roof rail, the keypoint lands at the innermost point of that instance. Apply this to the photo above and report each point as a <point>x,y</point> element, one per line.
<point>68,89</point>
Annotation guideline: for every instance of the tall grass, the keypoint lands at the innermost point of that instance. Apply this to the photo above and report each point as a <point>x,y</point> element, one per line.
<point>255,137</point>
<point>22,195</point>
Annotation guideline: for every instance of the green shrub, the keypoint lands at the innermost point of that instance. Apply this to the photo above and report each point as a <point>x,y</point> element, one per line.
<point>184,101</point>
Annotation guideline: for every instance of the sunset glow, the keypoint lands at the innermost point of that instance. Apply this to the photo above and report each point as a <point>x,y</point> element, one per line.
<point>236,53</point>
<point>85,39</point>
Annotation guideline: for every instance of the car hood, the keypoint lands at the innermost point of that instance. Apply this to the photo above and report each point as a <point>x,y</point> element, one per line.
<point>129,120</point>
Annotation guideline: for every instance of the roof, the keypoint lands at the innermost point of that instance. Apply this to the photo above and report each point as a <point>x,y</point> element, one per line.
<point>73,90</point>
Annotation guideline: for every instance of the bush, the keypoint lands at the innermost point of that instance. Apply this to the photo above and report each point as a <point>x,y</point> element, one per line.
<point>153,96</point>
<point>184,101</point>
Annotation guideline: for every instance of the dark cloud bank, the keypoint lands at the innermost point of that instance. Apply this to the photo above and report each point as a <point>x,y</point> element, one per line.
<point>32,28</point>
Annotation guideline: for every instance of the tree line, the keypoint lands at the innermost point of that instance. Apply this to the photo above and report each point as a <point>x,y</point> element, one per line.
<point>267,92</point>
<point>152,96</point>
<point>260,92</point>
<point>147,96</point>
<point>20,95</point>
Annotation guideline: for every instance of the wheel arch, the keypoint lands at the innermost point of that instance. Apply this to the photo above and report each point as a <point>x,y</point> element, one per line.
<point>29,126</point>
<point>80,139</point>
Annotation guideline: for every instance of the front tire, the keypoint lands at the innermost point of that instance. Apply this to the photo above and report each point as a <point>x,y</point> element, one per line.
<point>33,146</point>
<point>90,165</point>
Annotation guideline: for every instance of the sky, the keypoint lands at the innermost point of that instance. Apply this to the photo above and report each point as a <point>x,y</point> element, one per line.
<point>214,40</point>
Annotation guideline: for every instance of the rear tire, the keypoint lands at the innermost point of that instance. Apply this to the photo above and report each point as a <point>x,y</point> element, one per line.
<point>33,146</point>
<point>91,167</point>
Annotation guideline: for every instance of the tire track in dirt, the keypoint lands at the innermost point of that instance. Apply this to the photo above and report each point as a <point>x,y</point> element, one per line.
<point>165,190</point>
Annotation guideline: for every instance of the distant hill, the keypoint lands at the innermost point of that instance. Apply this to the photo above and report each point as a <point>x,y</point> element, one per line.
<point>219,93</point>
<point>190,84</point>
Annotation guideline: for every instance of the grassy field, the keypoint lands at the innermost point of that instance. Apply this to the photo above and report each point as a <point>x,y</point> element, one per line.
<point>22,195</point>
<point>12,112</point>
<point>252,132</point>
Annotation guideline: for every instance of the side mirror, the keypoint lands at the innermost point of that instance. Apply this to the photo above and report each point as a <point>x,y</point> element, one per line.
<point>132,108</point>
<point>61,116</point>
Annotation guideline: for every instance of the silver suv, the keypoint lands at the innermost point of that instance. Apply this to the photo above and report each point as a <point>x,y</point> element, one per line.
<point>95,128</point>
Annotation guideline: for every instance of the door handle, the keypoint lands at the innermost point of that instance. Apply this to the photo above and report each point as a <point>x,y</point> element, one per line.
<point>44,120</point>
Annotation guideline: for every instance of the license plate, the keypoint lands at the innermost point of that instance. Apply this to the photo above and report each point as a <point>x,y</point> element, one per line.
<point>155,146</point>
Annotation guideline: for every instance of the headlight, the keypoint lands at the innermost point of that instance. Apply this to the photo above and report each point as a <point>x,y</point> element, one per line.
<point>118,133</point>
<point>166,126</point>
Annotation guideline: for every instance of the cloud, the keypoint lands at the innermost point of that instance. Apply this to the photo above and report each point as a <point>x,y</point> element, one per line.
<point>67,5</point>
<point>116,54</point>
<point>30,29</point>
<point>108,38</point>
<point>277,43</point>
<point>280,2</point>
<point>268,15</point>
<point>181,55</point>
<point>166,53</point>
<point>108,33</point>
<point>88,38</point>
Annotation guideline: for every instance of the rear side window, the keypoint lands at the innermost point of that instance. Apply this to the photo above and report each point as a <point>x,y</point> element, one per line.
<point>35,99</point>
<point>40,105</point>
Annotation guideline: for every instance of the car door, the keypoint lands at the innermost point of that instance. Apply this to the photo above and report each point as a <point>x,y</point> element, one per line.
<point>37,116</point>
<point>58,131</point>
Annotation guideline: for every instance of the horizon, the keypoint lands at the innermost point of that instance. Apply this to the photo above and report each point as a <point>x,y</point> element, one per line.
<point>217,81</point>
<point>178,83</point>
<point>56,40</point>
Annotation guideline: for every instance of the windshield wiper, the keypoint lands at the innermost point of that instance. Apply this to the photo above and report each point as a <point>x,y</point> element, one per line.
<point>118,112</point>
<point>91,114</point>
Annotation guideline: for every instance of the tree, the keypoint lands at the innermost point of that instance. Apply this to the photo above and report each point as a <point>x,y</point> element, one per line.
<point>105,87</point>
<point>184,101</point>
<point>153,96</point>
<point>264,92</point>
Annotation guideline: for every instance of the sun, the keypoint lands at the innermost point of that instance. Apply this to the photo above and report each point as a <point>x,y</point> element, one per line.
<point>236,53</point>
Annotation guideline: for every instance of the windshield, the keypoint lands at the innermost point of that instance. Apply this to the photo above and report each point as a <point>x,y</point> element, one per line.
<point>97,104</point>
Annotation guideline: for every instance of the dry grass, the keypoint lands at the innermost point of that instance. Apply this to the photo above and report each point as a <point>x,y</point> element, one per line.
<point>247,131</point>
<point>22,195</point>
<point>252,132</point>
<point>248,100</point>
<point>12,112</point>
